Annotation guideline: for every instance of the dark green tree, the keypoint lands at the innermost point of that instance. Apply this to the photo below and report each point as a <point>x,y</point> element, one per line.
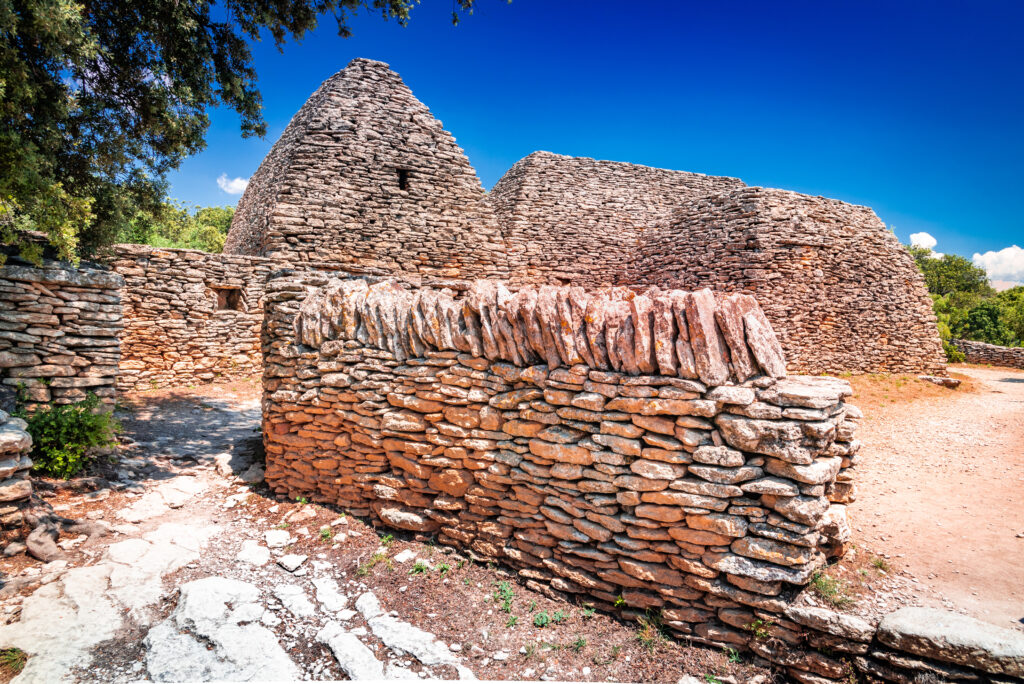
<point>950,273</point>
<point>985,323</point>
<point>99,99</point>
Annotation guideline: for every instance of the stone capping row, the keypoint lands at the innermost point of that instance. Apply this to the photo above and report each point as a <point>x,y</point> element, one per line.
<point>992,354</point>
<point>690,335</point>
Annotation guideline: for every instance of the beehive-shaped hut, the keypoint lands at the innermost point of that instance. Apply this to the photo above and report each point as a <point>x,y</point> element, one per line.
<point>364,178</point>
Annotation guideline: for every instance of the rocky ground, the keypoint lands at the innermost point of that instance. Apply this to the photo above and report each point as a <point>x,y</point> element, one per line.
<point>204,576</point>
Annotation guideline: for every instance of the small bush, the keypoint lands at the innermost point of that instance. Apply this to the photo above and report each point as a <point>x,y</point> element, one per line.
<point>953,355</point>
<point>63,436</point>
<point>541,619</point>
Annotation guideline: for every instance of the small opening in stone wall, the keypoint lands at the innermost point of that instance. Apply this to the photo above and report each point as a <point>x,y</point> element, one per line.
<point>403,179</point>
<point>228,298</point>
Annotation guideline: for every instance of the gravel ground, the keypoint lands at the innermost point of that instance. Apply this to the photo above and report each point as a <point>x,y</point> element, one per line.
<point>940,486</point>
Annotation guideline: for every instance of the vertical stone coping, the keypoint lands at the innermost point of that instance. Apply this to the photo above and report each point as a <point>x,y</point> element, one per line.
<point>689,335</point>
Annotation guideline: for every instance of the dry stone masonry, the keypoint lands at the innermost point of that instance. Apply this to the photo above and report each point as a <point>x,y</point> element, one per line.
<point>365,180</point>
<point>190,317</point>
<point>59,330</point>
<point>840,291</point>
<point>606,443</point>
<point>578,220</point>
<point>15,485</point>
<point>981,352</point>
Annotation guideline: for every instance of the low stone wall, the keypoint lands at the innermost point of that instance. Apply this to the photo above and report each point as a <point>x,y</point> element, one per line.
<point>190,317</point>
<point>59,331</point>
<point>643,450</point>
<point>980,352</point>
<point>15,485</point>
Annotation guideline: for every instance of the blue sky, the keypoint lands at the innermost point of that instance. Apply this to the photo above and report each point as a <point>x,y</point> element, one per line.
<point>915,109</point>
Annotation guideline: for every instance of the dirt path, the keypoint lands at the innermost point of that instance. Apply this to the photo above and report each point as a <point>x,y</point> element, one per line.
<point>941,486</point>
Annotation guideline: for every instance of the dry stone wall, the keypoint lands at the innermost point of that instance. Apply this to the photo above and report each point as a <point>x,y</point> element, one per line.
<point>15,485</point>
<point>365,179</point>
<point>59,330</point>
<point>578,220</point>
<point>981,352</point>
<point>604,443</point>
<point>840,291</point>
<point>189,316</point>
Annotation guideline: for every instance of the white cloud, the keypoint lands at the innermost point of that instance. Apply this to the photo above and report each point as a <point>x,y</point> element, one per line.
<point>923,240</point>
<point>232,186</point>
<point>1004,266</point>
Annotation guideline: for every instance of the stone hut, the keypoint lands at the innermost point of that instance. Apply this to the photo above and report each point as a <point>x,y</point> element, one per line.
<point>365,180</point>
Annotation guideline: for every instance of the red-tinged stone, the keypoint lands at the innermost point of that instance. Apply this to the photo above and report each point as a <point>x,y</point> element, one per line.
<point>463,416</point>
<point>687,365</point>
<point>666,514</point>
<point>700,537</point>
<point>522,428</point>
<point>651,572</point>
<point>764,344</point>
<point>592,529</point>
<point>729,316</point>
<point>564,453</point>
<point>691,566</point>
<point>643,334</point>
<point>451,481</point>
<point>710,352</point>
<point>664,336</point>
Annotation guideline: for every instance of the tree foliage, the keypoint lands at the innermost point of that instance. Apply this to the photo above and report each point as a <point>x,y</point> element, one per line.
<point>965,304</point>
<point>950,273</point>
<point>174,225</point>
<point>99,99</point>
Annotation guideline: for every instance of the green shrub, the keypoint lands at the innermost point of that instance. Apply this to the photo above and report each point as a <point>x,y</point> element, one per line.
<point>953,355</point>
<point>63,436</point>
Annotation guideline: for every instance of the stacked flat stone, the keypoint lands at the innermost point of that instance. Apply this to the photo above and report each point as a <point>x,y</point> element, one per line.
<point>706,492</point>
<point>992,354</point>
<point>841,292</point>
<point>579,220</point>
<point>59,331</point>
<point>174,333</point>
<point>365,179</point>
<point>15,485</point>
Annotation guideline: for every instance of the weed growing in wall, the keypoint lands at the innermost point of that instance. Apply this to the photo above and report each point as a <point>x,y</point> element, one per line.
<point>63,437</point>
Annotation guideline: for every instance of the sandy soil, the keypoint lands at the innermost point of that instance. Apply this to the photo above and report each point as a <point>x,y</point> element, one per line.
<point>940,483</point>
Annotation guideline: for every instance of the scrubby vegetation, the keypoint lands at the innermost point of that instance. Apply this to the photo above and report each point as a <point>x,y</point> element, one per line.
<point>967,306</point>
<point>64,437</point>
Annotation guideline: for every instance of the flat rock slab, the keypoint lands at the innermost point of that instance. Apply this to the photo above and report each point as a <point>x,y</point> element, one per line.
<point>252,552</point>
<point>954,638</point>
<point>354,658</point>
<point>294,599</point>
<point>402,637</point>
<point>171,494</point>
<point>212,636</point>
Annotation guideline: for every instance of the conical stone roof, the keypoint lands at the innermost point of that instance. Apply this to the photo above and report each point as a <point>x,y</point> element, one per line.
<point>364,178</point>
